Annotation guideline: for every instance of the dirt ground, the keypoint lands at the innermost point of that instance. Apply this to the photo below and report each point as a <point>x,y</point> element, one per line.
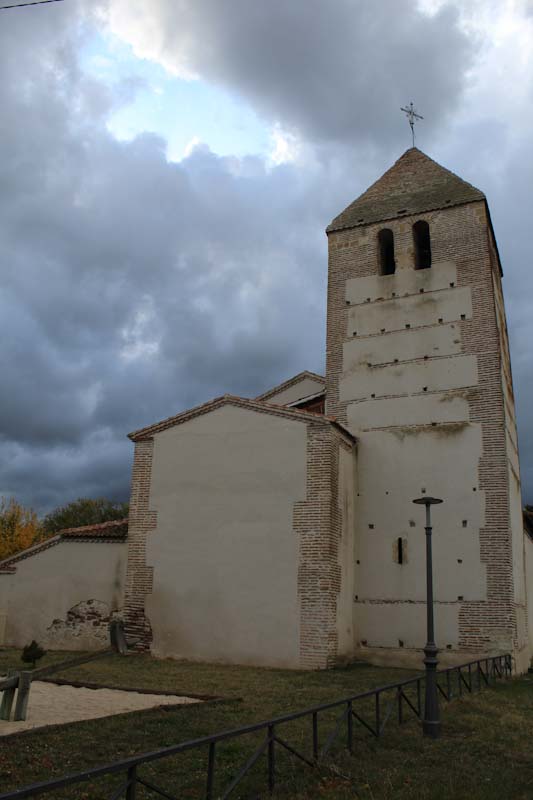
<point>53,705</point>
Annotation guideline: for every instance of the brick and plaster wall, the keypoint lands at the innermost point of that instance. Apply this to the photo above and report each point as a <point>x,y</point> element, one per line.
<point>142,522</point>
<point>324,522</point>
<point>63,595</point>
<point>418,369</point>
<point>238,521</point>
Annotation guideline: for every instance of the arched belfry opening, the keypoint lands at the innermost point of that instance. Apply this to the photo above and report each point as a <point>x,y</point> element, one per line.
<point>387,263</point>
<point>422,243</point>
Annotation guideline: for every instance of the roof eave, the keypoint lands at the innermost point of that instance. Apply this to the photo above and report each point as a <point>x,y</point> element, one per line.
<point>300,376</point>
<point>494,238</point>
<point>337,228</point>
<point>259,406</point>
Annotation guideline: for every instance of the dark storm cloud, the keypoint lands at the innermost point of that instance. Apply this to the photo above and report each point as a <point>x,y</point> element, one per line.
<point>509,194</point>
<point>132,287</point>
<point>335,71</point>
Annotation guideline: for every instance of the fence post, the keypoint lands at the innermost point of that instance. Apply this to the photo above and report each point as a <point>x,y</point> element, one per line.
<point>349,721</point>
<point>131,791</point>
<point>400,709</point>
<point>271,760</point>
<point>315,735</point>
<point>210,772</point>
<point>23,695</point>
<point>8,696</point>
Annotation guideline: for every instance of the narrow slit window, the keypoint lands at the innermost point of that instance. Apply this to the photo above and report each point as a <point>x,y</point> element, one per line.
<point>422,245</point>
<point>387,264</point>
<point>400,550</point>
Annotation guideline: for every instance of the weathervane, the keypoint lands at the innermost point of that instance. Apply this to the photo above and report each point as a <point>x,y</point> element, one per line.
<point>412,116</point>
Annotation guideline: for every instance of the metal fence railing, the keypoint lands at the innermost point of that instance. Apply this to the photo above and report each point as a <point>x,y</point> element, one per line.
<point>371,710</point>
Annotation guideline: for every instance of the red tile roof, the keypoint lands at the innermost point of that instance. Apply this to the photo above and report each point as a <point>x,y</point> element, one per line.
<point>115,529</point>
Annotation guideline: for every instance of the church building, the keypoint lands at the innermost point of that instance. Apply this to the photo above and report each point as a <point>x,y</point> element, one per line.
<point>280,531</point>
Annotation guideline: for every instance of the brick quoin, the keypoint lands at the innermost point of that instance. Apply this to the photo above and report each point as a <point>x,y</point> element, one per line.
<point>142,521</point>
<point>317,521</point>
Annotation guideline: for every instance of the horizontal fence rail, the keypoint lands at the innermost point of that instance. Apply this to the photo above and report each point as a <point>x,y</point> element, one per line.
<point>402,700</point>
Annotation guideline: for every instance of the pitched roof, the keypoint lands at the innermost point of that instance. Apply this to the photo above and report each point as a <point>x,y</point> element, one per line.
<point>116,529</point>
<point>6,563</point>
<point>291,382</point>
<point>414,184</point>
<point>113,531</point>
<point>240,402</point>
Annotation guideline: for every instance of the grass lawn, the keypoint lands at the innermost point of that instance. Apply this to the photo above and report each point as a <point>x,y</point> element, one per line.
<point>485,752</point>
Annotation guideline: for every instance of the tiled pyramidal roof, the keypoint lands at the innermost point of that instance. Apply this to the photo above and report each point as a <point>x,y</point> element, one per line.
<point>414,184</point>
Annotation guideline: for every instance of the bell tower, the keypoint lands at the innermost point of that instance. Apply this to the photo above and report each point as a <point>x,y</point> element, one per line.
<point>418,369</point>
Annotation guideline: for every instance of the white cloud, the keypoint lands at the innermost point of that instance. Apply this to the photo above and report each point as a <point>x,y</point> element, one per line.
<point>138,23</point>
<point>285,146</point>
<point>191,146</point>
<point>332,72</point>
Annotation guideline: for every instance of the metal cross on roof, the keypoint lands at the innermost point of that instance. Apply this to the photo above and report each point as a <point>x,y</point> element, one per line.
<point>412,116</point>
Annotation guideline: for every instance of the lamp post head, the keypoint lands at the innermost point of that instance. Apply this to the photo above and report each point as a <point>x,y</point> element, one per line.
<point>427,501</point>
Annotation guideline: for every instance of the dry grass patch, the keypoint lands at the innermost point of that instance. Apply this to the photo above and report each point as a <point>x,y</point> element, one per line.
<point>484,753</point>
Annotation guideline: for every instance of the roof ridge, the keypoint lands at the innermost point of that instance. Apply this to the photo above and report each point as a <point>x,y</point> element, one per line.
<point>30,551</point>
<point>58,537</point>
<point>111,523</point>
<point>290,382</point>
<point>244,402</point>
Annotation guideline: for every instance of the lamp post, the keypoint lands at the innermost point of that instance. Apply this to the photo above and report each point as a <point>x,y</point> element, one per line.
<point>431,721</point>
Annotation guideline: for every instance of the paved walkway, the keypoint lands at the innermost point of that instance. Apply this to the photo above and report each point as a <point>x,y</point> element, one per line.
<point>54,705</point>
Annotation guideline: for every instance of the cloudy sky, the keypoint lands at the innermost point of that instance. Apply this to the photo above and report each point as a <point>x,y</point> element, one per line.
<point>167,171</point>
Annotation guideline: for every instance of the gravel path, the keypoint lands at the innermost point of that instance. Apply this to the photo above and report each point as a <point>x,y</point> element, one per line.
<point>53,705</point>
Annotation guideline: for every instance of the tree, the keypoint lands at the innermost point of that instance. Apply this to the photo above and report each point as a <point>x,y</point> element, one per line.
<point>19,527</point>
<point>83,511</point>
<point>32,653</point>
